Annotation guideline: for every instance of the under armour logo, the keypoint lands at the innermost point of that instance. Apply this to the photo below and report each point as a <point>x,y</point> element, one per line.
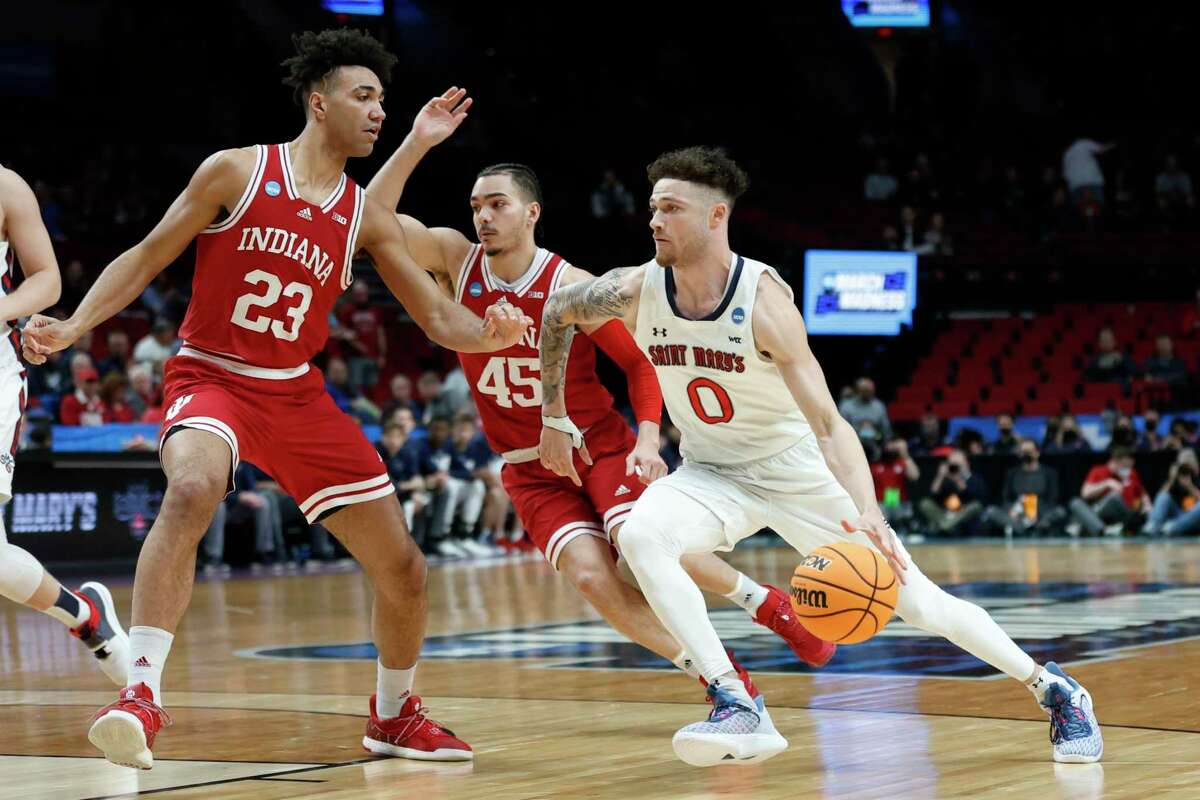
<point>304,213</point>
<point>178,405</point>
<point>660,331</point>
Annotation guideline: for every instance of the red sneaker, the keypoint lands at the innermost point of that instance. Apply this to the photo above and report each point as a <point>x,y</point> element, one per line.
<point>413,735</point>
<point>125,730</point>
<point>776,613</point>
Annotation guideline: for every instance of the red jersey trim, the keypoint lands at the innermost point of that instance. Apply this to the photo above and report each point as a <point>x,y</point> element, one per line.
<point>352,239</point>
<point>289,181</point>
<point>243,203</point>
<point>338,191</point>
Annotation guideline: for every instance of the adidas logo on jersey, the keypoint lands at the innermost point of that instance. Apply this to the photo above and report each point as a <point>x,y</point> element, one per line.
<point>622,489</point>
<point>304,213</point>
<point>338,218</point>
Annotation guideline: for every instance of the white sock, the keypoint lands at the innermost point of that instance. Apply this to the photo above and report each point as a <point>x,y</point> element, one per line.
<point>748,594</point>
<point>684,663</point>
<point>1043,679</point>
<point>731,683</point>
<point>392,687</point>
<point>70,609</point>
<point>148,649</point>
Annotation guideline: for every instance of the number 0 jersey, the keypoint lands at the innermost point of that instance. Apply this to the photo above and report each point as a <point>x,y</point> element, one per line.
<point>507,384</point>
<point>728,401</point>
<point>268,275</point>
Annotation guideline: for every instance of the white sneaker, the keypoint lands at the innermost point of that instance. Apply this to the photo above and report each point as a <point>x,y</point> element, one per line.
<point>1075,736</point>
<point>476,549</point>
<point>732,734</point>
<point>449,549</point>
<point>103,634</point>
<point>1116,529</point>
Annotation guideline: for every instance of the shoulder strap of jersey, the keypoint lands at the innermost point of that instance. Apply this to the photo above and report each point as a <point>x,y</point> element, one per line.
<point>257,176</point>
<point>469,270</point>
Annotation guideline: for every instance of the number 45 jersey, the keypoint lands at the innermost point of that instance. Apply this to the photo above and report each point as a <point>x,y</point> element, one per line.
<point>268,275</point>
<point>507,384</point>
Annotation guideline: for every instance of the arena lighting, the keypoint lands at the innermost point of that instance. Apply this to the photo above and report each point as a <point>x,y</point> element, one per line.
<point>367,8</point>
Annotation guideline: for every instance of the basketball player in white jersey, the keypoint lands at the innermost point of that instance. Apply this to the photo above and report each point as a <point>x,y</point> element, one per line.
<point>88,613</point>
<point>763,446</point>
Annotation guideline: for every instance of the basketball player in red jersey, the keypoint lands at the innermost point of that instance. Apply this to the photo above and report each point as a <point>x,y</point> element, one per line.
<point>88,612</point>
<point>276,228</point>
<point>569,518</point>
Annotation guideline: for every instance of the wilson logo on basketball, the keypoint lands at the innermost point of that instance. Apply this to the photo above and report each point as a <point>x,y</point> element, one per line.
<point>816,562</point>
<point>810,597</point>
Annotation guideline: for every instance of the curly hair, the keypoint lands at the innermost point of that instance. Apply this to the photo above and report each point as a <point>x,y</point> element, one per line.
<point>707,166</point>
<point>319,54</point>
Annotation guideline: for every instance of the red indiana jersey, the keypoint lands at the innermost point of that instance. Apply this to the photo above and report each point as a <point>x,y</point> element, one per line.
<point>507,384</point>
<point>268,275</point>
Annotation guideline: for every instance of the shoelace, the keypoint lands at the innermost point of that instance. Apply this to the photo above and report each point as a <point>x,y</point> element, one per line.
<point>724,704</point>
<point>1066,719</point>
<point>164,719</point>
<point>414,721</point>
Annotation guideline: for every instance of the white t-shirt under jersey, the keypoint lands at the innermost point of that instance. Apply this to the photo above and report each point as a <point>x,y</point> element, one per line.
<point>728,401</point>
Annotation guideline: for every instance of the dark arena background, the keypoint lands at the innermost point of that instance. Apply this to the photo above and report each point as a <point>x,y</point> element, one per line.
<point>988,215</point>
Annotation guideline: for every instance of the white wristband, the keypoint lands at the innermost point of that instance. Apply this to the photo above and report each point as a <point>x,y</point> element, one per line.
<point>564,425</point>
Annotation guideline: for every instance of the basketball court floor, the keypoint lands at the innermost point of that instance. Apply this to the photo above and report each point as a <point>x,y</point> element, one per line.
<point>269,677</point>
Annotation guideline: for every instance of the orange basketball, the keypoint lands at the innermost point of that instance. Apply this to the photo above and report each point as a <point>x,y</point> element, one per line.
<point>844,592</point>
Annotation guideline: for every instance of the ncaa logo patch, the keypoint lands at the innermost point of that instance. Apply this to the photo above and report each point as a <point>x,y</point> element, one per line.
<point>475,289</point>
<point>738,316</point>
<point>272,188</point>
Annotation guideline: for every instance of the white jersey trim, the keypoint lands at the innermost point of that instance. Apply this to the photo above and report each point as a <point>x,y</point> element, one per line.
<point>243,203</point>
<point>250,371</point>
<point>319,501</point>
<point>464,271</point>
<point>352,238</point>
<point>540,259</point>
<point>210,425</point>
<point>338,191</point>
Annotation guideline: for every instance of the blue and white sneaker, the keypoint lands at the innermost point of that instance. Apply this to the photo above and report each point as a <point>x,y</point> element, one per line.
<point>1074,730</point>
<point>734,733</point>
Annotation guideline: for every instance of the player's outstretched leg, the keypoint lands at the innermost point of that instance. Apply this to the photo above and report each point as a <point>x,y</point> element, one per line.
<point>398,725</point>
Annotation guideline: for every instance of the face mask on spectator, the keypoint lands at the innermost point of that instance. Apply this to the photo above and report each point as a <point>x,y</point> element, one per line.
<point>1122,472</point>
<point>1026,458</point>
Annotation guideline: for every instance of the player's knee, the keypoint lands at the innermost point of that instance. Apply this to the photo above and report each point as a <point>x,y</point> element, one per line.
<point>594,581</point>
<point>402,574</point>
<point>195,494</point>
<point>644,536</point>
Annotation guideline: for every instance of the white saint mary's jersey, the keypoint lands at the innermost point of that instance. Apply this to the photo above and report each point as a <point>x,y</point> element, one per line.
<point>10,361</point>
<point>728,401</point>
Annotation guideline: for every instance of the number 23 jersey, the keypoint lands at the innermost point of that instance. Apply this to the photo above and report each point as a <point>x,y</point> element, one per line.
<point>268,275</point>
<point>507,384</point>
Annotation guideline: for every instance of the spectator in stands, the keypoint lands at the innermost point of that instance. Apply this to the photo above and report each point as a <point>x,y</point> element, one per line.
<point>50,381</point>
<point>1165,366</point>
<point>37,431</point>
<point>470,470</point>
<point>610,199</point>
<point>243,503</point>
<point>84,406</point>
<point>1081,170</point>
<point>114,390</point>
<point>456,391</point>
<point>1112,498</point>
<point>435,459</point>
<point>346,395</point>
<point>1069,438</point>
<point>929,441</point>
<point>894,472</point>
<point>881,185</point>
<point>909,236</point>
<point>1176,507</point>
<point>1110,364</point>
<point>401,397</point>
<point>1173,191</point>
<point>957,497</point>
<point>1123,434</point>
<point>866,413</point>
<point>970,441</point>
<point>75,285</point>
<point>1029,502</point>
<point>936,242</point>
<point>429,387</point>
<point>366,345</point>
<point>119,354</point>
<point>144,395</point>
<point>157,346</point>
<point>889,238</point>
<point>1150,438</point>
<point>1006,441</point>
<point>404,470</point>
<point>163,299</point>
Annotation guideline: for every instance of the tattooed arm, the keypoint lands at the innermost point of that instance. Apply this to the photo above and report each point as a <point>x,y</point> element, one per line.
<point>613,295</point>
